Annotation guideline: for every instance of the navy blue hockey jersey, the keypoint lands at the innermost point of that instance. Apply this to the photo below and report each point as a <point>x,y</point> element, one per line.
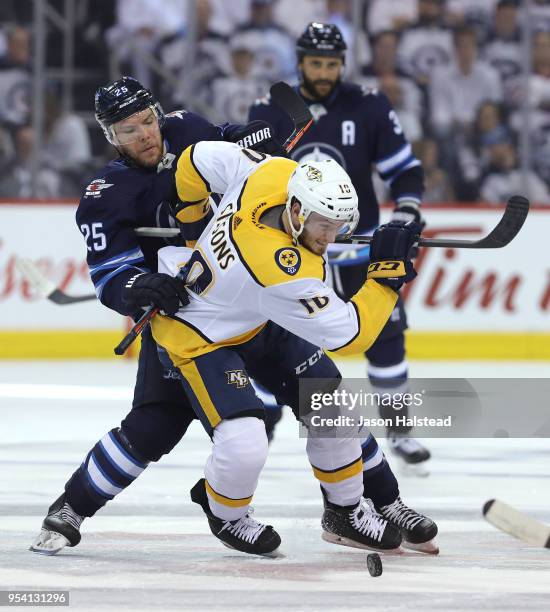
<point>124,197</point>
<point>357,128</point>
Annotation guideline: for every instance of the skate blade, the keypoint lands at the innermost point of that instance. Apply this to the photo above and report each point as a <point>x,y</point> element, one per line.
<point>274,554</point>
<point>49,543</point>
<point>428,548</point>
<point>414,470</point>
<point>336,539</point>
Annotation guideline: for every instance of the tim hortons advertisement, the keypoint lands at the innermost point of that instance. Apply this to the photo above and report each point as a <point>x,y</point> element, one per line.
<point>467,290</point>
<point>482,290</point>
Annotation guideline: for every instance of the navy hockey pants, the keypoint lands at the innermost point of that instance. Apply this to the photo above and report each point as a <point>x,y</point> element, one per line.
<point>159,417</point>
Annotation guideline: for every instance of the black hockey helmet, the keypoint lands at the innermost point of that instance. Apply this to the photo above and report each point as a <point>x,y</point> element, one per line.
<point>120,100</point>
<point>321,39</point>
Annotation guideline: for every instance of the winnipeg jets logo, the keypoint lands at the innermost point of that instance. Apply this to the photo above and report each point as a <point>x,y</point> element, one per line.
<point>166,162</point>
<point>318,151</point>
<point>95,187</point>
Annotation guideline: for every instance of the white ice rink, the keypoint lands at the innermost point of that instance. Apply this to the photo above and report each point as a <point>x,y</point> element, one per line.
<point>150,549</point>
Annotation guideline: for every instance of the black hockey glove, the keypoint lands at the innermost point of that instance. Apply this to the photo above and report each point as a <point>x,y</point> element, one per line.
<point>408,210</point>
<point>258,136</point>
<point>161,290</point>
<point>390,253</point>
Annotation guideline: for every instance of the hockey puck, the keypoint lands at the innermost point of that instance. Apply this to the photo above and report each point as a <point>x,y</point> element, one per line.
<point>374,564</point>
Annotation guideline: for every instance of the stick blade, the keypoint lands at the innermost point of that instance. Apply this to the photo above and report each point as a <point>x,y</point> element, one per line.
<point>34,277</point>
<point>517,524</point>
<point>509,226</point>
<point>284,96</point>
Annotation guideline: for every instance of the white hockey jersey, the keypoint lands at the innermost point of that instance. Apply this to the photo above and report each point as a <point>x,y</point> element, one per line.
<point>243,273</point>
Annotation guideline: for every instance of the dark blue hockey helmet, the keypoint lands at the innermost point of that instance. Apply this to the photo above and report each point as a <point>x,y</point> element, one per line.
<point>321,39</point>
<point>121,100</point>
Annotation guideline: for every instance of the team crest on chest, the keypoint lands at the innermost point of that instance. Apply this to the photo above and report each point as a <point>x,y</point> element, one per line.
<point>289,260</point>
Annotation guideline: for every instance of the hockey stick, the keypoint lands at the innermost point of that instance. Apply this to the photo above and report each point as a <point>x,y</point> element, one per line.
<point>505,231</point>
<point>44,287</point>
<point>517,524</point>
<point>284,96</point>
<point>292,104</point>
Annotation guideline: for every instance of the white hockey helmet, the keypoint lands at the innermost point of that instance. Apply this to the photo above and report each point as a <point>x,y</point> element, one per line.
<point>323,187</point>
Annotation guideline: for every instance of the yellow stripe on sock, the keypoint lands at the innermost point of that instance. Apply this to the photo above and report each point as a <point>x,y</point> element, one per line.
<point>341,473</point>
<point>226,501</point>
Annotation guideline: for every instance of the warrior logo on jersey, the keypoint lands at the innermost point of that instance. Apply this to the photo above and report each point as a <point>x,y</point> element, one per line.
<point>288,260</point>
<point>313,174</point>
<point>237,378</point>
<point>318,151</point>
<point>95,187</point>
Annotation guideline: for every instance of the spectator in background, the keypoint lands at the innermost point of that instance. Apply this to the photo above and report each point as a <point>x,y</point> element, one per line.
<point>539,15</point>
<point>409,119</point>
<point>428,44</point>
<point>232,95</point>
<point>17,177</point>
<point>339,12</point>
<point>437,184</point>
<point>211,60</point>
<point>472,157</point>
<point>292,15</point>
<point>384,64</point>
<point>66,147</point>
<point>477,14</point>
<point>456,91</point>
<point>503,179</point>
<point>15,78</point>
<point>141,26</point>
<point>503,48</point>
<point>271,44</point>
<point>384,15</point>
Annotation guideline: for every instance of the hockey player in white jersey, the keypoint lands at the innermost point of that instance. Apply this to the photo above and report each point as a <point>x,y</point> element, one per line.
<point>260,307</point>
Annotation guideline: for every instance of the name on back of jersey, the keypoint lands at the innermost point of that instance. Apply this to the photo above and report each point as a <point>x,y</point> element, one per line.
<point>219,237</point>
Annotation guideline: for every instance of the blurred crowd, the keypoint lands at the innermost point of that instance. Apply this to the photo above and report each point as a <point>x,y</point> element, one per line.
<point>453,70</point>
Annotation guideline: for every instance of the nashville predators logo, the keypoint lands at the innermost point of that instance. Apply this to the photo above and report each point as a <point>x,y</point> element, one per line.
<point>237,378</point>
<point>313,174</point>
<point>288,260</point>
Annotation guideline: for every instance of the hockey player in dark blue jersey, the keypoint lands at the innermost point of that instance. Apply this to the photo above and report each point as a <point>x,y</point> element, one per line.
<point>359,129</point>
<point>136,189</point>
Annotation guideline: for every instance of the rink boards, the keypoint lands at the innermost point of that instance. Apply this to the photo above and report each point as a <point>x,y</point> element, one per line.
<point>489,304</point>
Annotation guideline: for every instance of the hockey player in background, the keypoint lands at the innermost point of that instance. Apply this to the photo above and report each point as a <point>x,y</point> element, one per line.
<point>260,307</point>
<point>136,189</point>
<point>358,129</point>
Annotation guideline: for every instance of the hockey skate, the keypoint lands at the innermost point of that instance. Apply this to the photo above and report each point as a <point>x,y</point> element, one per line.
<point>359,526</point>
<point>418,531</point>
<point>245,534</point>
<point>60,528</point>
<point>412,455</point>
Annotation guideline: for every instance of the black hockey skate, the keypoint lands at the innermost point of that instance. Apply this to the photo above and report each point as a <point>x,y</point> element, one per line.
<point>412,456</point>
<point>418,531</point>
<point>359,526</point>
<point>245,534</point>
<point>60,528</point>
<point>408,448</point>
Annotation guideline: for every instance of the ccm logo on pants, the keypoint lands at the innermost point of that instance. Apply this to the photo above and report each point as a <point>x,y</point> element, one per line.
<point>309,362</point>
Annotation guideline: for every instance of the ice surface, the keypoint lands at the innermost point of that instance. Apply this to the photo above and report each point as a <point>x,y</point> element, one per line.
<point>150,549</point>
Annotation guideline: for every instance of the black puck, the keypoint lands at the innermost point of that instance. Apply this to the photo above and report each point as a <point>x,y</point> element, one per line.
<point>374,564</point>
